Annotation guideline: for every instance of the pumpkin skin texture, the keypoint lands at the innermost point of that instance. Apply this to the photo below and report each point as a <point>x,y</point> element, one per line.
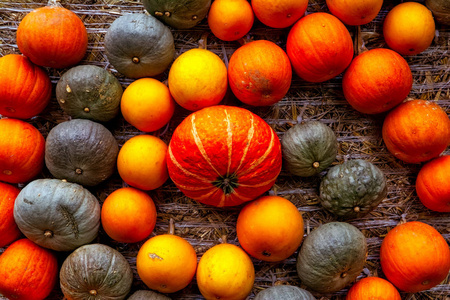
<point>62,30</point>
<point>373,288</point>
<point>353,188</point>
<point>28,272</point>
<point>9,231</point>
<point>81,151</point>
<point>414,257</point>
<point>139,45</point>
<point>319,47</point>
<point>25,89</point>
<point>89,92</point>
<point>339,242</point>
<point>180,14</point>
<point>440,10</point>
<point>259,73</point>
<point>284,292</point>
<point>21,151</point>
<point>279,13</point>
<point>308,148</point>
<point>147,295</point>
<point>57,215</point>
<point>377,81</point>
<point>353,12</point>
<point>95,271</point>
<point>416,131</point>
<point>224,156</point>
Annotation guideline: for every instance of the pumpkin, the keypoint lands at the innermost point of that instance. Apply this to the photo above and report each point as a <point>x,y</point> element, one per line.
<point>432,184</point>
<point>56,214</point>
<point>180,14</point>
<point>224,156</point>
<point>284,292</point>
<point>377,81</point>
<point>25,89</point>
<point>353,12</point>
<point>62,30</point>
<point>21,151</point>
<point>81,151</point>
<point>138,45</point>
<point>270,228</point>
<point>308,148</point>
<point>353,188</point>
<point>279,13</point>
<point>373,288</point>
<point>409,28</point>
<point>319,47</point>
<point>414,257</point>
<point>28,272</point>
<point>9,231</point>
<point>95,271</point>
<point>259,73</point>
<point>342,244</point>
<point>147,295</point>
<point>440,10</point>
<point>89,92</point>
<point>416,131</point>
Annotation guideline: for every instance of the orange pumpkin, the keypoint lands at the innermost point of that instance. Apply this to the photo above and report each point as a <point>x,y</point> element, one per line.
<point>9,231</point>
<point>319,47</point>
<point>416,131</point>
<point>376,81</point>
<point>21,151</point>
<point>279,13</point>
<point>224,156</point>
<point>373,288</point>
<point>62,30</point>
<point>355,12</point>
<point>415,257</point>
<point>259,73</point>
<point>28,272</point>
<point>270,228</point>
<point>25,89</point>
<point>433,184</point>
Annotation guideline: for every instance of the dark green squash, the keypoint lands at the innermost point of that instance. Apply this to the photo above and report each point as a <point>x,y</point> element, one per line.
<point>56,214</point>
<point>147,295</point>
<point>331,257</point>
<point>284,292</point>
<point>89,92</point>
<point>180,14</point>
<point>308,148</point>
<point>81,151</point>
<point>95,271</point>
<point>440,10</point>
<point>353,188</point>
<point>139,45</point>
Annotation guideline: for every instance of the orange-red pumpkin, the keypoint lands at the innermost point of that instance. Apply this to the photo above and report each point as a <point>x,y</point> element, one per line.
<point>319,47</point>
<point>355,12</point>
<point>25,89</point>
<point>373,288</point>
<point>259,73</point>
<point>224,156</point>
<point>9,231</point>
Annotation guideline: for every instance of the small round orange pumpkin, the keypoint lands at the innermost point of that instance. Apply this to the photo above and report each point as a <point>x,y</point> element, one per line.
<point>416,131</point>
<point>25,89</point>
<point>373,288</point>
<point>355,12</point>
<point>415,257</point>
<point>9,231</point>
<point>279,13</point>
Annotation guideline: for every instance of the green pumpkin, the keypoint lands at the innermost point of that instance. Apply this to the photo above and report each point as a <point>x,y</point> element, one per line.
<point>147,295</point>
<point>139,45</point>
<point>95,271</point>
<point>284,292</point>
<point>89,92</point>
<point>308,148</point>
<point>331,257</point>
<point>81,151</point>
<point>440,10</point>
<point>353,188</point>
<point>56,214</point>
<point>180,14</point>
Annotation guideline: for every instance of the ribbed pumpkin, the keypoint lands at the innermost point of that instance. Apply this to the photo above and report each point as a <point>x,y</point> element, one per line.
<point>284,292</point>
<point>62,30</point>
<point>440,10</point>
<point>25,89</point>
<point>259,73</point>
<point>319,47</point>
<point>353,12</point>
<point>21,151</point>
<point>373,288</point>
<point>147,295</point>
<point>28,272</point>
<point>224,156</point>
<point>279,13</point>
<point>9,231</point>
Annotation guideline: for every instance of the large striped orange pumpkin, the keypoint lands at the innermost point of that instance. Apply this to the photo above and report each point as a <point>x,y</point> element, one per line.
<point>224,156</point>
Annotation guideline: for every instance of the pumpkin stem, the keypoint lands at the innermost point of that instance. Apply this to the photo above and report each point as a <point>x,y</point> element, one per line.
<point>93,292</point>
<point>171,226</point>
<point>356,209</point>
<point>203,42</point>
<point>86,109</point>
<point>48,233</point>
<point>316,164</point>
<point>135,60</point>
<point>223,239</point>
<point>54,3</point>
<point>167,13</point>
<point>359,43</point>
<point>159,14</point>
<point>78,171</point>
<point>194,17</point>
<point>344,274</point>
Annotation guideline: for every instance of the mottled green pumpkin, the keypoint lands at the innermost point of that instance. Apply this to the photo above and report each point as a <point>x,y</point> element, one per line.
<point>440,10</point>
<point>353,188</point>
<point>95,271</point>
<point>331,257</point>
<point>89,92</point>
<point>308,148</point>
<point>284,292</point>
<point>147,295</point>
<point>56,214</point>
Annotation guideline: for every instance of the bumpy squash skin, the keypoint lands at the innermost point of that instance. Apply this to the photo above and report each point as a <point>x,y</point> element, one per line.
<point>147,295</point>
<point>440,10</point>
<point>331,257</point>
<point>89,92</point>
<point>309,148</point>
<point>57,215</point>
<point>353,188</point>
<point>95,271</point>
<point>284,292</point>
